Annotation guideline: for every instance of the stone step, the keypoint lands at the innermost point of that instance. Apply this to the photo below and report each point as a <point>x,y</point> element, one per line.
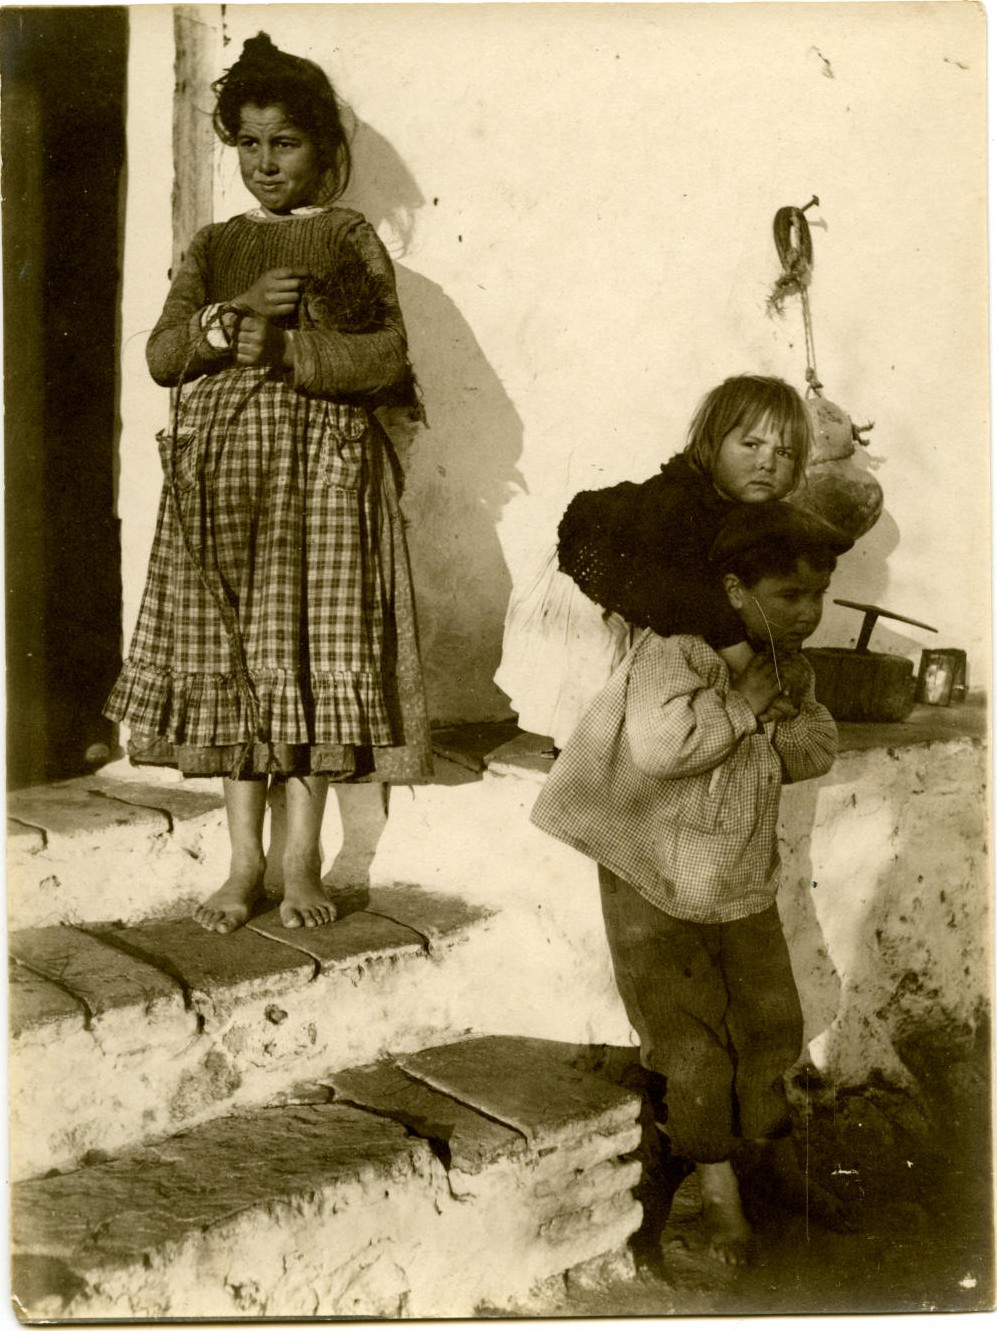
<point>132,844</point>
<point>382,1196</point>
<point>121,1034</point>
<point>111,847</point>
<point>129,1023</point>
<point>471,745</point>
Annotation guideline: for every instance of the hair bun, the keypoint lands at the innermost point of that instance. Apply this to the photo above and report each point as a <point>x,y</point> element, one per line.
<point>258,49</point>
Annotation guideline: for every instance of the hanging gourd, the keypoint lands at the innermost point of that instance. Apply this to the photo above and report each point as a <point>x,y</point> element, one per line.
<point>835,489</point>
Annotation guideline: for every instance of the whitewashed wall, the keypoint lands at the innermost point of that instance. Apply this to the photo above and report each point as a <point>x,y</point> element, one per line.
<point>579,200</point>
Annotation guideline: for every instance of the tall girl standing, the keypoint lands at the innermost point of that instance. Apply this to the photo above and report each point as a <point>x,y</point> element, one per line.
<point>276,638</point>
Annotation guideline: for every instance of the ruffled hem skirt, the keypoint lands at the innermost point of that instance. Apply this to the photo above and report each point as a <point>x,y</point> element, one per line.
<point>279,516</point>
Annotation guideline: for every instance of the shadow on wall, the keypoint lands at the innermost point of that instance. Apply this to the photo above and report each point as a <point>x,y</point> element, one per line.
<point>459,473</point>
<point>874,550</point>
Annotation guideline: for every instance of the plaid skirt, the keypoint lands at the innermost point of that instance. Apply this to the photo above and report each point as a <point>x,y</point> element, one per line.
<point>284,519</point>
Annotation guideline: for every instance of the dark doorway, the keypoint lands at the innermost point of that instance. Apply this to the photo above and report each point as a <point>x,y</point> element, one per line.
<point>63,140</point>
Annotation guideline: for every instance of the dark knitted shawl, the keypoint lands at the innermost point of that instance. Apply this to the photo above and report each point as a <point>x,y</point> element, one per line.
<point>641,551</point>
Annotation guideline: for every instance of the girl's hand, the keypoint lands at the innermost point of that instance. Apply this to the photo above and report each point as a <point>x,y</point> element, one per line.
<point>779,709</point>
<point>257,342</point>
<point>275,295</point>
<point>795,675</point>
<point>757,683</point>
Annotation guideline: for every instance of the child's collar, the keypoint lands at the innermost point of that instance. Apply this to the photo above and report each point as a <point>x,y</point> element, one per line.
<point>306,210</point>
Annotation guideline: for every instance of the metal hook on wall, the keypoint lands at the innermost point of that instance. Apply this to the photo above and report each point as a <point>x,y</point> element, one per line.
<point>792,240</point>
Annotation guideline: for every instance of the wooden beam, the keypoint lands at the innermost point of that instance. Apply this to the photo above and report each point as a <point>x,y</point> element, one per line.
<point>196,31</point>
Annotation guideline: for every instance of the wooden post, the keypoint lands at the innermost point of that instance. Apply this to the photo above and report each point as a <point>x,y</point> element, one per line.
<point>196,33</point>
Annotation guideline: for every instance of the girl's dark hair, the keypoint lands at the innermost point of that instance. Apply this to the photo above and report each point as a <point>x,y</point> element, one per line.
<point>745,400</point>
<point>266,76</point>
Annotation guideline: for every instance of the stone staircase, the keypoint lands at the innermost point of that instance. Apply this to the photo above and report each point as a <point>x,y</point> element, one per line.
<point>121,1033</point>
<point>396,1116</point>
<point>439,1184</point>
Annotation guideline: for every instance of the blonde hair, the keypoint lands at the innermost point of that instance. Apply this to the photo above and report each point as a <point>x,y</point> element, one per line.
<point>744,400</point>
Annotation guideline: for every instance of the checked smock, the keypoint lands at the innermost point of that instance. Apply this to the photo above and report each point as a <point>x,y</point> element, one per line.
<point>670,784</point>
<point>287,488</point>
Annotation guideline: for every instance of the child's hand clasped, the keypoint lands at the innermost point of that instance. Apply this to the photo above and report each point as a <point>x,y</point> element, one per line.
<point>781,708</point>
<point>257,341</point>
<point>275,295</point>
<point>795,675</point>
<point>758,683</point>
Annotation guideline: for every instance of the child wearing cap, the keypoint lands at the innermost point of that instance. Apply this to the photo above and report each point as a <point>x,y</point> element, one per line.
<point>671,782</point>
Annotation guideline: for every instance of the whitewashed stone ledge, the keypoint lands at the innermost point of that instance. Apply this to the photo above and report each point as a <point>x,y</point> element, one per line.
<point>128,1034</point>
<point>335,1210</point>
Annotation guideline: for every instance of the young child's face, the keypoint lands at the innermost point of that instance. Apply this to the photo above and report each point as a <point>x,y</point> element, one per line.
<point>754,465</point>
<point>278,162</point>
<point>788,608</point>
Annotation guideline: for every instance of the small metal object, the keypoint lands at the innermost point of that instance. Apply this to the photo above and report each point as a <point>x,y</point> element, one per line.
<point>871,614</point>
<point>942,677</point>
<point>793,244</point>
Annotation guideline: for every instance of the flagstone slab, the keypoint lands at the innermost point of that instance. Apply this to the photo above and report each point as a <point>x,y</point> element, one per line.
<point>151,1198</point>
<point>471,1140</point>
<point>469,745</point>
<point>102,977</point>
<point>436,916</point>
<point>179,802</point>
<point>526,754</point>
<point>282,1213</point>
<point>357,938</point>
<point>70,809</point>
<point>34,1002</point>
<point>522,1083</point>
<point>238,964</point>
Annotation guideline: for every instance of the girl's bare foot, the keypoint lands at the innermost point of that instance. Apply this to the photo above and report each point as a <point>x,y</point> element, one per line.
<point>728,1233</point>
<point>231,906</point>
<point>305,904</point>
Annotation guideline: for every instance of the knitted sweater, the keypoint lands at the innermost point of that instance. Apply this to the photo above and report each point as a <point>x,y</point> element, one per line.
<point>226,258</point>
<point>642,551</point>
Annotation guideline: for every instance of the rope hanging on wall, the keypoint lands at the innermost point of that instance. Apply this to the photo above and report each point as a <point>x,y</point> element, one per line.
<point>796,253</point>
<point>835,490</point>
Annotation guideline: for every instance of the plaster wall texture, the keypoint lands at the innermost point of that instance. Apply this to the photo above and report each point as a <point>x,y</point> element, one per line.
<point>893,942</point>
<point>885,899</point>
<point>579,200</point>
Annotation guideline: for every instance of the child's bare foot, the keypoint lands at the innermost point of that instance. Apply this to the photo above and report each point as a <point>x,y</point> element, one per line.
<point>305,904</point>
<point>231,906</point>
<point>728,1233</point>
